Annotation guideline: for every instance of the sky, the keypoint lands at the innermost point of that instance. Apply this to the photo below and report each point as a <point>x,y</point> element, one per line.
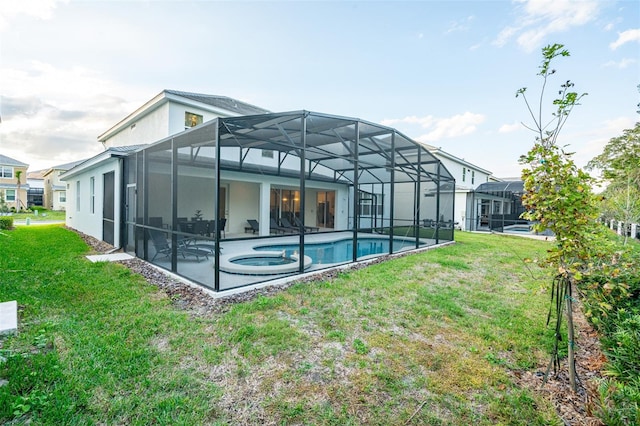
<point>441,72</point>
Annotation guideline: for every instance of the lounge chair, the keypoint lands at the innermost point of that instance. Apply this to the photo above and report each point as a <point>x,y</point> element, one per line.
<point>163,247</point>
<point>298,222</point>
<point>288,226</point>
<point>274,227</point>
<point>253,226</point>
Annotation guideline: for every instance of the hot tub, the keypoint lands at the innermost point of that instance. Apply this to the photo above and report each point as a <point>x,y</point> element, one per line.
<point>262,263</point>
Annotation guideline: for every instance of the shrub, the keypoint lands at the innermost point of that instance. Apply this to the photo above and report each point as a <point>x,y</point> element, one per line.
<point>6,222</point>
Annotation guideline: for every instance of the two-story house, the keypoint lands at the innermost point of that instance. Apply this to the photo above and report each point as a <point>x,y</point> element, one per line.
<point>206,186</point>
<point>171,112</point>
<point>13,182</point>
<point>55,190</point>
<point>468,177</point>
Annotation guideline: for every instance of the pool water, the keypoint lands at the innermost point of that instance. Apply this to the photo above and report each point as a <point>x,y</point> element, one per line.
<point>342,250</point>
<point>514,228</point>
<point>263,261</point>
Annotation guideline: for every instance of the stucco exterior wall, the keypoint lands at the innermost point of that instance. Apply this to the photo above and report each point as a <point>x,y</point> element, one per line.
<point>12,184</point>
<point>473,177</point>
<point>149,128</point>
<point>83,220</point>
<point>176,116</point>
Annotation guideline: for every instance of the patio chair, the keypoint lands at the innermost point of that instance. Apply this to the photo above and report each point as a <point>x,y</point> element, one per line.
<point>212,227</point>
<point>163,247</point>
<point>274,227</point>
<point>253,226</point>
<point>298,222</point>
<point>288,226</point>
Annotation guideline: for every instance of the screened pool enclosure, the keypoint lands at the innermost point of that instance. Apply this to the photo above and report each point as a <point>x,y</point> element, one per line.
<point>243,200</point>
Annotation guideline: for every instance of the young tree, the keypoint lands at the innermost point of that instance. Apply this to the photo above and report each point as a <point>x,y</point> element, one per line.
<point>18,175</point>
<point>620,165</point>
<point>558,197</point>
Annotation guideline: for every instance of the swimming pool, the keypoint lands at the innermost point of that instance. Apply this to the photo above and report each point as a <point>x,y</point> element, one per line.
<point>341,250</point>
<point>523,229</point>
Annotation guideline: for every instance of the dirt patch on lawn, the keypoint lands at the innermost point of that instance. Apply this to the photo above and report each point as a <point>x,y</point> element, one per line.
<point>575,408</point>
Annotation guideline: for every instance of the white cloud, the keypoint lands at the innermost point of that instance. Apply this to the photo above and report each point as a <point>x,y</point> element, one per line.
<point>623,63</point>
<point>595,140</point>
<point>539,18</point>
<point>441,128</point>
<point>509,128</point>
<point>52,115</point>
<point>41,9</point>
<point>460,25</point>
<point>626,37</point>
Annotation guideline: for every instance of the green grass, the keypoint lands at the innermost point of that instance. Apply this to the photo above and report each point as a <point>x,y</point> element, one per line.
<point>426,339</point>
<point>43,215</point>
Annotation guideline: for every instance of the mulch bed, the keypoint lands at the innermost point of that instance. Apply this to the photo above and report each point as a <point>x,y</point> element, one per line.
<point>575,408</point>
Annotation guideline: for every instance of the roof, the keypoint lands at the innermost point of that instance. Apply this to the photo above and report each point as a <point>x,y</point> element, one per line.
<point>116,151</point>
<point>8,161</point>
<point>439,151</point>
<point>328,144</point>
<point>36,174</point>
<point>214,102</point>
<point>24,186</point>
<point>513,186</point>
<point>239,107</point>
<point>63,167</point>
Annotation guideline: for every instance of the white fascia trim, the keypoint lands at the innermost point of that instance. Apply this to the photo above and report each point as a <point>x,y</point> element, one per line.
<point>145,109</point>
<point>154,104</point>
<point>90,163</point>
<point>452,157</point>
<point>200,105</point>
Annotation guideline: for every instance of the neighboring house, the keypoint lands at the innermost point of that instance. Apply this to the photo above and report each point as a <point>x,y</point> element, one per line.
<point>341,177</point>
<point>35,194</point>
<point>468,177</point>
<point>498,205</point>
<point>15,196</point>
<point>55,190</point>
<point>172,112</point>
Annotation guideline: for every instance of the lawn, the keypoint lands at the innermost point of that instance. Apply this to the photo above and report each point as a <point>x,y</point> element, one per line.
<point>426,339</point>
<point>42,215</point>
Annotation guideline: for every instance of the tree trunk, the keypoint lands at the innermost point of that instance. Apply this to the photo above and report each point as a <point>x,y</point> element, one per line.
<point>571,337</point>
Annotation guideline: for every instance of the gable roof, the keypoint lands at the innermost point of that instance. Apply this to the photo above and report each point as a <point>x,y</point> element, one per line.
<point>113,152</point>
<point>64,167</point>
<point>8,161</point>
<point>36,174</point>
<point>230,104</point>
<point>220,105</point>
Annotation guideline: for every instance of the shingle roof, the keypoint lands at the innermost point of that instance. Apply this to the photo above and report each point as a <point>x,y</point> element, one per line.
<point>129,148</point>
<point>224,102</point>
<point>36,174</point>
<point>8,161</point>
<point>67,166</point>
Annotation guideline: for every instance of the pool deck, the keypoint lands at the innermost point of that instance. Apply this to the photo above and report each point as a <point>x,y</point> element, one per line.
<point>191,270</point>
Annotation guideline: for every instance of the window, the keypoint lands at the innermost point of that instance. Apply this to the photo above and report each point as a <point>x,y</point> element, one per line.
<point>92,194</point>
<point>473,177</point>
<point>62,197</point>
<point>78,196</point>
<point>6,172</point>
<point>191,120</point>
<point>464,173</point>
<point>267,153</point>
<point>10,195</point>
